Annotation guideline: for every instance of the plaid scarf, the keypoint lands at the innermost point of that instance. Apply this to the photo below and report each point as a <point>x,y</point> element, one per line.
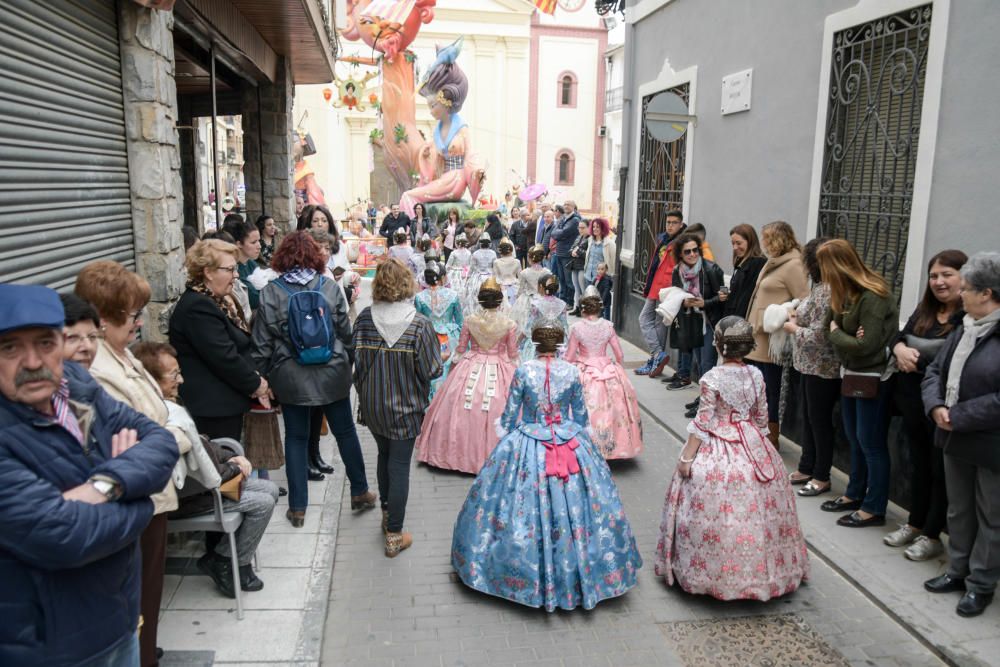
<point>63,413</point>
<point>299,276</point>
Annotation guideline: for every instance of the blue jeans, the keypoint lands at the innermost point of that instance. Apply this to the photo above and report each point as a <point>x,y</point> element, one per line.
<point>124,654</point>
<point>341,421</point>
<point>866,423</point>
<point>559,270</point>
<point>705,354</point>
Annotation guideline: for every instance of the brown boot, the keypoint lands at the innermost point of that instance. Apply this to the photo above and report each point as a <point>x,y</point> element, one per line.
<point>297,519</point>
<point>773,431</point>
<point>365,501</point>
<point>396,542</point>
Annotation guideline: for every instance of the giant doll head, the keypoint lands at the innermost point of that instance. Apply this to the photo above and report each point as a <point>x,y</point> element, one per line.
<point>388,26</point>
<point>446,85</point>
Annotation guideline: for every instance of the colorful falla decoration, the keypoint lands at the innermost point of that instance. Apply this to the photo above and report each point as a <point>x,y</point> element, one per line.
<point>352,93</point>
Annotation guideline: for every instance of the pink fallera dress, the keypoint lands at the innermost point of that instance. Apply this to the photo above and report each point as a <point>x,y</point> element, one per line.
<point>614,410</point>
<point>731,530</point>
<point>459,431</point>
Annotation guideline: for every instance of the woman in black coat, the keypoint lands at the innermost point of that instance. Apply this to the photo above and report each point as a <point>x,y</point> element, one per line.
<point>748,260</point>
<point>212,339</point>
<point>961,392</point>
<point>496,231</point>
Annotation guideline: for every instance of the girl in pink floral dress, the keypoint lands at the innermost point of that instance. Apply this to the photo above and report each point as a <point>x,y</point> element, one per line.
<point>459,430</point>
<point>614,411</point>
<point>729,527</point>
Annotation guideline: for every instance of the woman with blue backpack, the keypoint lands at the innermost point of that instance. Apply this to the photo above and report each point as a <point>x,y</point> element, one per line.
<point>302,344</point>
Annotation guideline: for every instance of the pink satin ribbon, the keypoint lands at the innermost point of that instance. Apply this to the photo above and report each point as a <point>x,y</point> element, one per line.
<point>560,459</point>
<point>759,473</point>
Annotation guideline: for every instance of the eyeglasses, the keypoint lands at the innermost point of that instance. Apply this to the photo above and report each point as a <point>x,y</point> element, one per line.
<point>76,339</point>
<point>227,269</point>
<point>175,375</point>
<point>690,251</point>
<point>133,317</point>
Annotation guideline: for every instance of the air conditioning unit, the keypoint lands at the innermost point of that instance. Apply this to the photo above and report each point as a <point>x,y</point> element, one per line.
<point>602,131</point>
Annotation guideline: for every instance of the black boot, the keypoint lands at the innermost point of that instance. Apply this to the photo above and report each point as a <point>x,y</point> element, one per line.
<point>221,572</point>
<point>315,475</point>
<point>316,462</point>
<point>693,404</point>
<point>249,581</point>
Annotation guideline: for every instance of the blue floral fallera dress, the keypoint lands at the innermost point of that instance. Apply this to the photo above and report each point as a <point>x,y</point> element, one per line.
<point>543,524</point>
<point>443,307</point>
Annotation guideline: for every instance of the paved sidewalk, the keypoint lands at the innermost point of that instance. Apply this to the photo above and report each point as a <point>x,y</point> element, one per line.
<point>880,572</point>
<point>283,623</point>
<point>411,610</point>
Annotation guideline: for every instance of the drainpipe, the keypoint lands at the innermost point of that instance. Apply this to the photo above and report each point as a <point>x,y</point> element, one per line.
<point>628,89</point>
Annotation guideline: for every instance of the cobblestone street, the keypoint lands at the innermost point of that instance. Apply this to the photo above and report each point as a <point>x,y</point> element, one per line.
<point>413,611</point>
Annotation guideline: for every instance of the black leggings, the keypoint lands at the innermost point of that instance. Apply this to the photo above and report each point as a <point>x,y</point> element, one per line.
<point>772,386</point>
<point>393,472</point>
<point>929,498</point>
<point>819,395</point>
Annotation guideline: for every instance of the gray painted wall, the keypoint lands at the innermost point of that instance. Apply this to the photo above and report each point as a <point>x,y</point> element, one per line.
<point>756,166</point>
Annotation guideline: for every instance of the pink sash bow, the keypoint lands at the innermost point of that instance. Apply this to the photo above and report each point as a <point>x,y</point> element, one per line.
<point>560,459</point>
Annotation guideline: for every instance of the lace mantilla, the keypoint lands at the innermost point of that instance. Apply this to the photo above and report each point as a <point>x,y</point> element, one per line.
<point>482,261</point>
<point>594,336</point>
<point>437,300</point>
<point>489,327</point>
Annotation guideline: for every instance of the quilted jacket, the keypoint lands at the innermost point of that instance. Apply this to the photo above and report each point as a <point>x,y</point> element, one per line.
<point>70,571</point>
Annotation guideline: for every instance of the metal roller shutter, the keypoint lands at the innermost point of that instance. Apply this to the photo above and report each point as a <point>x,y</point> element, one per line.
<point>64,190</point>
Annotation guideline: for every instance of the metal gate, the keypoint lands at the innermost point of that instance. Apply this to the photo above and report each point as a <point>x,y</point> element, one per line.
<point>872,132</point>
<point>64,189</point>
<point>661,188</point>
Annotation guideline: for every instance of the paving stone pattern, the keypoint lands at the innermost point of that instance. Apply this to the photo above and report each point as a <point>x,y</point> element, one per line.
<point>411,610</point>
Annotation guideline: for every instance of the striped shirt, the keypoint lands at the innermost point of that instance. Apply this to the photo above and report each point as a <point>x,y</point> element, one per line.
<point>394,383</point>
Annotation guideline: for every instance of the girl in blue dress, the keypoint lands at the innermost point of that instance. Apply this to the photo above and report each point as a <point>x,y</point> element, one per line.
<point>543,524</point>
<point>443,307</point>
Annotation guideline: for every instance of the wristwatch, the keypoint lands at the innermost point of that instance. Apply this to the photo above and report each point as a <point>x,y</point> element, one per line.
<point>107,488</point>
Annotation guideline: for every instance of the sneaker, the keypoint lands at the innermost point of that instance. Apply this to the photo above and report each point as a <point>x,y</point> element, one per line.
<point>668,380</point>
<point>662,359</point>
<point>647,367</point>
<point>924,548</point>
<point>679,383</point>
<point>902,536</point>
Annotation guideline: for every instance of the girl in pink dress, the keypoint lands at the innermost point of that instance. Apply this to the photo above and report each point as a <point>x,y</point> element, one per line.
<point>729,527</point>
<point>459,430</point>
<point>614,411</point>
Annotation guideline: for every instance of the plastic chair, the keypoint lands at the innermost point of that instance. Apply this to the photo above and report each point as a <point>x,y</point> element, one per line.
<point>219,521</point>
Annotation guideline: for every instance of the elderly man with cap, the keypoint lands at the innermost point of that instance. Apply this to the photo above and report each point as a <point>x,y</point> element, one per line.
<point>76,472</point>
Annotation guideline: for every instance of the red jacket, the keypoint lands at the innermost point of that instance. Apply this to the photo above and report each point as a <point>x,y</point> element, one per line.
<point>661,269</point>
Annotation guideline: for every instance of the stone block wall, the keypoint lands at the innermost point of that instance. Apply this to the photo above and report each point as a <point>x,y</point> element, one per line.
<point>150,97</point>
<point>267,166</point>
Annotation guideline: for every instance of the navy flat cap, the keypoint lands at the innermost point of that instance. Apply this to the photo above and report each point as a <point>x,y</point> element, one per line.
<point>25,306</point>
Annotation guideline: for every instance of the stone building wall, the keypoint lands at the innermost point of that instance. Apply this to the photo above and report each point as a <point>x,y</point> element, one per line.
<point>271,162</point>
<point>150,97</point>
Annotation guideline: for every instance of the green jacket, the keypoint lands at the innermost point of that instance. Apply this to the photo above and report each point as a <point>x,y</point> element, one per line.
<point>880,318</point>
<point>245,269</point>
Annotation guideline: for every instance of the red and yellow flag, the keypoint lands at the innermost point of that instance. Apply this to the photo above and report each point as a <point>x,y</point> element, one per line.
<point>547,6</point>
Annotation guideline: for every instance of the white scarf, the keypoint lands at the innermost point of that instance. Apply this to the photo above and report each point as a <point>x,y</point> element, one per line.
<point>972,331</point>
<point>392,319</point>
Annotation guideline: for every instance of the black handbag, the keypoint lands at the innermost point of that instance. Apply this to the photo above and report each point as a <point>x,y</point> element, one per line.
<point>687,330</point>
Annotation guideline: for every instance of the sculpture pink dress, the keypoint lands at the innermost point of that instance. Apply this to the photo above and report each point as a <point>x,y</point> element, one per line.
<point>731,530</point>
<point>459,430</point>
<point>615,423</point>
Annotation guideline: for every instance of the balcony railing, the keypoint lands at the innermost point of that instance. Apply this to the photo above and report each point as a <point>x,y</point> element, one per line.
<point>613,99</point>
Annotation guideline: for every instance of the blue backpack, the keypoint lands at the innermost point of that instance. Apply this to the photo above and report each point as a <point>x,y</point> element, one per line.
<point>309,324</point>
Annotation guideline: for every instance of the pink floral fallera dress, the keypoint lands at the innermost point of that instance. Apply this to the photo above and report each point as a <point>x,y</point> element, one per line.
<point>614,410</point>
<point>731,530</point>
<point>459,429</point>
